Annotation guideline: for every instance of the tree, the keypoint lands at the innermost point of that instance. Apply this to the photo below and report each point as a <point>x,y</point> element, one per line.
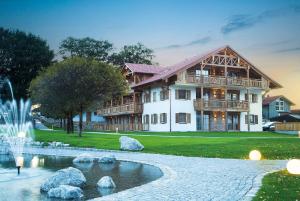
<point>132,54</point>
<point>75,85</point>
<point>22,56</point>
<point>86,47</point>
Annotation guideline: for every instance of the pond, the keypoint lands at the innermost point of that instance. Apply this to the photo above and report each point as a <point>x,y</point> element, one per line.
<point>37,168</point>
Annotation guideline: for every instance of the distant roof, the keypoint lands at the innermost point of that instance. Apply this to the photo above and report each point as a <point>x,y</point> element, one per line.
<point>172,70</point>
<point>270,99</point>
<point>296,111</point>
<point>144,68</point>
<point>287,118</point>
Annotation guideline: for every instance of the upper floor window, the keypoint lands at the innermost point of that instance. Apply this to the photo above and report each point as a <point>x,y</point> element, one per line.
<point>279,105</point>
<point>164,94</point>
<point>183,118</point>
<point>154,96</point>
<point>183,94</point>
<point>253,98</point>
<point>147,97</point>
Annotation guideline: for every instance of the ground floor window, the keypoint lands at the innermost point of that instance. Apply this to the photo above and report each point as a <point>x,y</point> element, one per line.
<point>253,119</point>
<point>154,119</point>
<point>146,119</point>
<point>163,118</point>
<point>183,118</point>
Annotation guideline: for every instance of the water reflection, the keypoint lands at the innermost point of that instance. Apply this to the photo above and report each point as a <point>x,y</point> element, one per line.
<point>37,168</point>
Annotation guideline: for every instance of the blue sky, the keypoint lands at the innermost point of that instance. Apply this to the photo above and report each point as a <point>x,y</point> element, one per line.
<point>264,31</point>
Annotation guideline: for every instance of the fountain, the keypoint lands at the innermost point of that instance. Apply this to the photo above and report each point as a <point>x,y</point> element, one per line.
<point>17,128</point>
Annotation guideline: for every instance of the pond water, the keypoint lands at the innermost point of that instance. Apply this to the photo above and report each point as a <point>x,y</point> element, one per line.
<point>37,168</point>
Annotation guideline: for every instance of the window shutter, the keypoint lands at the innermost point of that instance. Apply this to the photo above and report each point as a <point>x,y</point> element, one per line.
<point>161,95</point>
<point>151,118</point>
<point>188,118</point>
<point>177,117</point>
<point>167,95</point>
<point>256,119</point>
<point>188,94</point>
<point>165,118</point>
<point>246,97</point>
<point>161,118</point>
<point>246,119</point>
<point>176,94</point>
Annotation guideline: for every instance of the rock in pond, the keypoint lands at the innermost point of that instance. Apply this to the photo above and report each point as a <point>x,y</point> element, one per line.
<point>107,159</point>
<point>106,182</point>
<point>130,144</point>
<point>65,192</point>
<point>84,158</point>
<point>68,176</point>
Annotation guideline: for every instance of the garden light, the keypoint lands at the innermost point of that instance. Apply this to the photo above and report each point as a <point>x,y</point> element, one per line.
<point>255,155</point>
<point>293,166</point>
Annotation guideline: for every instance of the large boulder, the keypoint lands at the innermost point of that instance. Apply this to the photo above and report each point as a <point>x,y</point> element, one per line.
<point>107,159</point>
<point>130,144</point>
<point>68,176</point>
<point>65,192</point>
<point>106,182</point>
<point>84,158</point>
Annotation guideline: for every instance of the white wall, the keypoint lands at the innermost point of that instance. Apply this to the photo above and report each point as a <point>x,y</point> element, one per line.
<point>157,107</point>
<point>255,109</point>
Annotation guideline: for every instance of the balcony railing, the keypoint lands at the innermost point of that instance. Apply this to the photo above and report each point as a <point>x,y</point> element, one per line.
<point>221,105</point>
<point>129,108</point>
<point>223,81</point>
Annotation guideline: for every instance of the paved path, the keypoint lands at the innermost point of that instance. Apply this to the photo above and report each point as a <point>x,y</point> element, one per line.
<point>186,178</point>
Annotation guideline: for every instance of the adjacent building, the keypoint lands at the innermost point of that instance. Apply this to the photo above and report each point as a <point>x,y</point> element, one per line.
<point>274,106</point>
<point>216,91</point>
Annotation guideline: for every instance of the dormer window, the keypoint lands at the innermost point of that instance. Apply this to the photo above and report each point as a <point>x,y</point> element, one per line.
<point>279,105</point>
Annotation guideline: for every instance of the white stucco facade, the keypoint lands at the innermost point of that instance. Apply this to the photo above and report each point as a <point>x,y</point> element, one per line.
<point>171,106</point>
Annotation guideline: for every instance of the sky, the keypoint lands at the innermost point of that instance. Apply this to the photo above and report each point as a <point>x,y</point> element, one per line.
<point>266,32</point>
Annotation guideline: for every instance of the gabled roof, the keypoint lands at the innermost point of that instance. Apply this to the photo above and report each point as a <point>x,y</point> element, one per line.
<point>144,68</point>
<point>181,66</point>
<point>268,100</point>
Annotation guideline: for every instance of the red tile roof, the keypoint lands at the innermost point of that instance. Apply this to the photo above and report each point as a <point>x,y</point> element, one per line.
<point>181,66</point>
<point>144,68</point>
<point>170,71</point>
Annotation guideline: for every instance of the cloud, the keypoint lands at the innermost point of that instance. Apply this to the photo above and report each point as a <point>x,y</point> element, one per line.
<point>238,22</point>
<point>295,49</point>
<point>200,41</point>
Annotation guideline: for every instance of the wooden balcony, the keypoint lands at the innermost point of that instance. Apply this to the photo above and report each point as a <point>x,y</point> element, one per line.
<point>130,108</point>
<point>217,81</point>
<point>221,105</point>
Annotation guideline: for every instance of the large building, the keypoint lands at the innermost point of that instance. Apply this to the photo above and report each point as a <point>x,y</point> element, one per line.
<point>216,91</point>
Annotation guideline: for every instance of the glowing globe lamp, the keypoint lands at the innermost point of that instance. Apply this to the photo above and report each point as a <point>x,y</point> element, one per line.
<point>293,166</point>
<point>21,134</point>
<point>255,155</point>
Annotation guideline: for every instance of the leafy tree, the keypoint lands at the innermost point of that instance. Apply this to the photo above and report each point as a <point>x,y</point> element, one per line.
<point>75,85</point>
<point>22,56</point>
<point>132,54</point>
<point>86,47</point>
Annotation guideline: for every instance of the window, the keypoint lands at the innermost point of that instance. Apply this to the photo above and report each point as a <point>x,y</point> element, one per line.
<point>154,96</point>
<point>183,118</point>
<point>146,119</point>
<point>153,118</point>
<point>254,98</point>
<point>279,105</point>
<point>183,94</point>
<point>147,97</point>
<point>163,118</point>
<point>164,94</point>
<point>253,119</point>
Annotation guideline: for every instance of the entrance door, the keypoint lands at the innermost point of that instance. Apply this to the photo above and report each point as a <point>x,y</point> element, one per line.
<point>233,121</point>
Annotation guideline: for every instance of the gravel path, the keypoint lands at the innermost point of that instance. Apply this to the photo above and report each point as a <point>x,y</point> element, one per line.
<point>186,178</point>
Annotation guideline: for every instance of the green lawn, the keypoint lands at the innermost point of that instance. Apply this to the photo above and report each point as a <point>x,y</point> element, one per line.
<point>279,186</point>
<point>227,145</point>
